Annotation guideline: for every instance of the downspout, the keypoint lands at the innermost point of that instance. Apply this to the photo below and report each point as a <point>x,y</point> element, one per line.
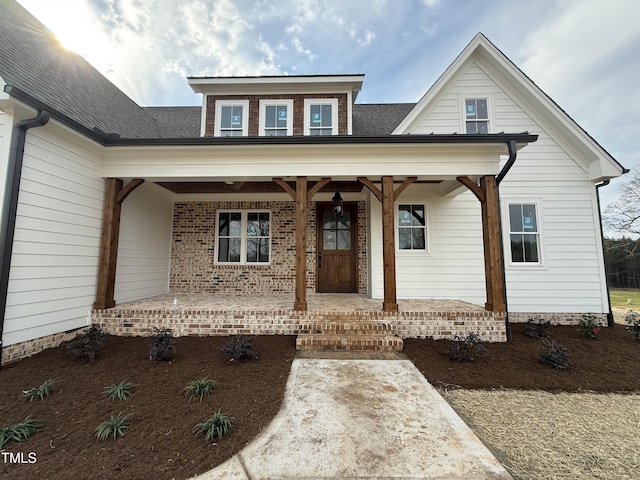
<point>10,206</point>
<point>513,150</point>
<point>610,321</point>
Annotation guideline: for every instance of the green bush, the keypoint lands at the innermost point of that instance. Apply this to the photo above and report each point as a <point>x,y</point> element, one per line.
<point>114,427</point>
<point>554,354</point>
<point>39,392</point>
<point>240,347</point>
<point>87,344</point>
<point>537,328</point>
<point>633,320</point>
<point>589,326</point>
<point>163,345</point>
<point>201,387</point>
<point>217,426</point>
<point>119,391</point>
<point>465,349</point>
<point>19,432</point>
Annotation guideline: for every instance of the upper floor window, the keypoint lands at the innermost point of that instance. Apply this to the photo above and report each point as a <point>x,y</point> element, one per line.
<point>524,233</point>
<point>276,117</point>
<point>476,114</point>
<point>412,227</point>
<point>232,118</point>
<point>321,116</point>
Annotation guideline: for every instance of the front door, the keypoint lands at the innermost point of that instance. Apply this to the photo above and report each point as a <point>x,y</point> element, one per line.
<point>337,249</point>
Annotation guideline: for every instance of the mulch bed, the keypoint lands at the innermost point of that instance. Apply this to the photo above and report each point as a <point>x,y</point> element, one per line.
<point>610,363</point>
<point>160,443</point>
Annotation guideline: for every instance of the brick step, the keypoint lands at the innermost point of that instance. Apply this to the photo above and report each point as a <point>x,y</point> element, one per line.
<point>347,328</point>
<point>361,342</point>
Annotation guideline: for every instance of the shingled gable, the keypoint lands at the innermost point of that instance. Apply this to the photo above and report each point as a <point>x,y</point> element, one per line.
<point>38,71</point>
<point>585,150</point>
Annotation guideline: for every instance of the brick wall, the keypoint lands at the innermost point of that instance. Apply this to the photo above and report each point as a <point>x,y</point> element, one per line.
<point>193,269</point>
<point>21,350</point>
<point>298,111</point>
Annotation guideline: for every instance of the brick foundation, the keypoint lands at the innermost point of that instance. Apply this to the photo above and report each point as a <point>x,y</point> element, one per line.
<point>21,350</point>
<point>556,318</point>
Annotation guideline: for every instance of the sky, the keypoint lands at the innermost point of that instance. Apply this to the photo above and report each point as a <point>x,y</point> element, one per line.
<point>582,53</point>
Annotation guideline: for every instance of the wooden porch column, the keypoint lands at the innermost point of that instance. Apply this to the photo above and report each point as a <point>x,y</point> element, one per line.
<point>487,193</point>
<point>115,194</point>
<point>388,196</point>
<point>301,195</point>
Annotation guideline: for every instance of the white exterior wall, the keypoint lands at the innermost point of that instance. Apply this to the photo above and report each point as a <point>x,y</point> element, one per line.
<point>571,277</point>
<point>453,266</point>
<point>52,281</point>
<point>144,249</point>
<point>5,145</point>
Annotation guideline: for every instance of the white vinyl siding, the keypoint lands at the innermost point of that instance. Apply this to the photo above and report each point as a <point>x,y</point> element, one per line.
<point>52,282</point>
<point>571,278</point>
<point>144,249</point>
<point>5,140</point>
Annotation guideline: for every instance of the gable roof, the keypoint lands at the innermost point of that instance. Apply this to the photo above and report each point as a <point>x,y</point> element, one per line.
<point>38,70</point>
<point>378,119</point>
<point>176,122</point>
<point>601,164</point>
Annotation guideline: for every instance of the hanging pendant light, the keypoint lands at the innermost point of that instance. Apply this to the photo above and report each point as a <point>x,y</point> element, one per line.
<point>338,204</point>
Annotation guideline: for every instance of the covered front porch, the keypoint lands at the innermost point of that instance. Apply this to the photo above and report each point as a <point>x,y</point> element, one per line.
<point>272,314</point>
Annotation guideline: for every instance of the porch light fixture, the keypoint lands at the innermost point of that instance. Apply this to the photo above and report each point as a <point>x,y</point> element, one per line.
<point>338,204</point>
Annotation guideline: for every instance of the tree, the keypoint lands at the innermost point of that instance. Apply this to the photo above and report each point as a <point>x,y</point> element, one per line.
<point>623,216</point>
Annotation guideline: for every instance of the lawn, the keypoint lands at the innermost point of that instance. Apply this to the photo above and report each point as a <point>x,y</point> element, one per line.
<point>627,299</point>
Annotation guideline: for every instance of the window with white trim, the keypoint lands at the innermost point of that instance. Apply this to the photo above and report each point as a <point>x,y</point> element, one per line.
<point>276,117</point>
<point>232,118</point>
<point>476,115</point>
<point>412,226</point>
<point>524,233</point>
<point>321,116</point>
<point>243,237</point>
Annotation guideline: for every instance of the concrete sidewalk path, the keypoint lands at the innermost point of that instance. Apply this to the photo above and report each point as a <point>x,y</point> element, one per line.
<point>362,419</point>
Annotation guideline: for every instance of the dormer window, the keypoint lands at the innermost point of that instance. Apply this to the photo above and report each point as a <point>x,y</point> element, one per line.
<point>321,116</point>
<point>276,118</point>
<point>232,118</point>
<point>476,114</point>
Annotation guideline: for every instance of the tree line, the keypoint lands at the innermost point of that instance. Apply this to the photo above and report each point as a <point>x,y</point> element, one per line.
<point>622,259</point>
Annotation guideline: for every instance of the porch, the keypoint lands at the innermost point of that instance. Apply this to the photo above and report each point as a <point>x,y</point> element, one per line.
<point>272,314</point>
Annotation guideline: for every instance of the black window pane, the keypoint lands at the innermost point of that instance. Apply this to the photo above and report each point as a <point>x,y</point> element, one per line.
<point>482,112</point>
<point>316,118</point>
<point>326,115</point>
<point>270,116</point>
<point>236,117</point>
<point>253,224</point>
<point>328,219</point>
<point>517,253</point>
<point>223,224</point>
<point>530,248</point>
<point>404,238</point>
<point>515,218</point>
<point>235,224</point>
<point>225,120</point>
<point>417,238</point>
<point>404,215</point>
<point>281,120</point>
<point>329,240</point>
<point>344,240</point>
<point>471,127</point>
<point>252,250</point>
<point>417,216</point>
<point>263,218</point>
<point>529,223</point>
<point>223,250</point>
<point>234,249</point>
<point>482,127</point>
<point>263,250</point>
<point>470,109</point>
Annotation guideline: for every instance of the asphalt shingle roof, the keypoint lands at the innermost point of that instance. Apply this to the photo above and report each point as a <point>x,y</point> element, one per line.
<point>378,119</point>
<point>176,122</point>
<point>32,59</point>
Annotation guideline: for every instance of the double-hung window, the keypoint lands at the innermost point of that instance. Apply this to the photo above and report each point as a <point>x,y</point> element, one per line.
<point>232,118</point>
<point>476,115</point>
<point>243,237</point>
<point>276,117</point>
<point>321,116</point>
<point>524,233</point>
<point>412,227</point>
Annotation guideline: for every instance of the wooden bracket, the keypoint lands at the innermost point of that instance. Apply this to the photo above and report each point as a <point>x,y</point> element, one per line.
<point>403,185</point>
<point>369,184</point>
<point>127,189</point>
<point>316,188</point>
<point>471,185</point>
<point>285,186</point>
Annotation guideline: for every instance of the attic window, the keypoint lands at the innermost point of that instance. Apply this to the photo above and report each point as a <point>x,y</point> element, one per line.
<point>321,116</point>
<point>276,117</point>
<point>476,114</point>
<point>231,118</point>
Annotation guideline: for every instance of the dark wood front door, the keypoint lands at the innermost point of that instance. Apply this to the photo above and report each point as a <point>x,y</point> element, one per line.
<point>337,249</point>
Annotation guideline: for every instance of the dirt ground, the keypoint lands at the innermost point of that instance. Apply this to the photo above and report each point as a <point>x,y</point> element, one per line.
<point>160,443</point>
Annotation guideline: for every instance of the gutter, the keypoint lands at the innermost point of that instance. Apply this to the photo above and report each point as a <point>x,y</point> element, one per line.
<point>513,153</point>
<point>610,321</point>
<point>10,206</point>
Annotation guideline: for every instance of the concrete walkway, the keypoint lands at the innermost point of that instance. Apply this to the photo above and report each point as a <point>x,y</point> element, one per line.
<point>362,419</point>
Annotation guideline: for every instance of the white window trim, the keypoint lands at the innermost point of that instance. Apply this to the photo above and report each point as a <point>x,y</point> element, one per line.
<point>230,103</point>
<point>243,242</point>
<point>463,113</point>
<point>275,102</point>
<point>427,239</point>
<point>506,232</point>
<point>321,101</point>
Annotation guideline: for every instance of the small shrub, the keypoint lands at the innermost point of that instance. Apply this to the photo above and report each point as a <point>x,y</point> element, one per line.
<point>589,326</point>
<point>119,391</point>
<point>200,387</point>
<point>217,426</point>
<point>633,320</point>
<point>114,427</point>
<point>163,345</point>
<point>554,354</point>
<point>537,328</point>
<point>19,432</point>
<point>240,347</point>
<point>87,344</point>
<point>39,392</point>
<point>464,349</point>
